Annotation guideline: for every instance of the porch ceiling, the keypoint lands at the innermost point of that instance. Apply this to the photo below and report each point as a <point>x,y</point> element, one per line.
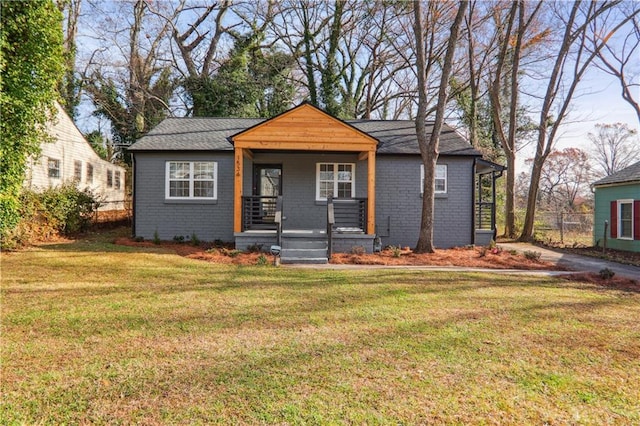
<point>305,128</point>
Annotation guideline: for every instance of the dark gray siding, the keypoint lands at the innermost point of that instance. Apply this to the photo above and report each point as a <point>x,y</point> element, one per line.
<point>399,203</point>
<point>208,220</point>
<point>300,207</point>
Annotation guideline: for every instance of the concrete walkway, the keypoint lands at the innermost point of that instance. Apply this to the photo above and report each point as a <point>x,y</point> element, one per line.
<point>576,262</point>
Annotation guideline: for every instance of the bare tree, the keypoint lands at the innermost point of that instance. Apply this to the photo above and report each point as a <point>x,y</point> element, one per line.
<point>572,59</point>
<point>614,146</point>
<point>429,145</point>
<point>130,79</point>
<point>519,20</point>
<point>565,179</point>
<point>619,57</point>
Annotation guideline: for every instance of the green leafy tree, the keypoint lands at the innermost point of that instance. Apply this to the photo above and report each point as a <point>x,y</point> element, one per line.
<point>252,82</point>
<point>31,65</point>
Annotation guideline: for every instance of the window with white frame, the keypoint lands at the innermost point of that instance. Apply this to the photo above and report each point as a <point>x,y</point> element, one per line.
<point>77,170</point>
<point>625,219</point>
<point>191,180</point>
<point>335,180</point>
<point>116,180</point>
<point>441,179</point>
<point>109,178</point>
<point>53,166</point>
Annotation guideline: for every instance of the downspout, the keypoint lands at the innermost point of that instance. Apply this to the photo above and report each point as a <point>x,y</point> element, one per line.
<point>133,195</point>
<point>473,201</point>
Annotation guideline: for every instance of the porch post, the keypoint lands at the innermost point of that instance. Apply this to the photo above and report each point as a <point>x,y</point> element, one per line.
<point>371,193</point>
<point>237,190</point>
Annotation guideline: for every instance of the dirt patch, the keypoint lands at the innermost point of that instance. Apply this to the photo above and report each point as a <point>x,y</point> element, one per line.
<point>473,257</point>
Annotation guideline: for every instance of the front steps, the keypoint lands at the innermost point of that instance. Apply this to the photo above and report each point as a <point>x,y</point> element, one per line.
<point>304,247</point>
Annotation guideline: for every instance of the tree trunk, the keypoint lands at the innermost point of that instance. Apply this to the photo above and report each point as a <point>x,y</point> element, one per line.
<point>429,150</point>
<point>510,201</point>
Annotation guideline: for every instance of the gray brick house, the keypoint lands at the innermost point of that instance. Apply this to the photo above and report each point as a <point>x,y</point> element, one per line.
<point>306,181</point>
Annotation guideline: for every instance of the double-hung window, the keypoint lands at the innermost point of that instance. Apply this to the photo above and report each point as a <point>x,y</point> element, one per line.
<point>440,179</point>
<point>625,221</point>
<point>117,180</point>
<point>89,173</point>
<point>335,180</point>
<point>191,180</point>
<point>77,170</point>
<point>109,178</point>
<point>53,166</point>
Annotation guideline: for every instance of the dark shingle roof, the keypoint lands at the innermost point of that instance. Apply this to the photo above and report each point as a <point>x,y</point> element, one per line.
<point>193,134</point>
<point>399,137</point>
<point>210,134</point>
<point>629,174</point>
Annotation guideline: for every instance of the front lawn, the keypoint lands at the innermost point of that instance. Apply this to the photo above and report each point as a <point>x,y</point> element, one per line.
<point>98,333</point>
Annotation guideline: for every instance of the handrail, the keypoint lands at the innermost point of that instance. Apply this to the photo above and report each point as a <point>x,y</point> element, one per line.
<point>331,220</point>
<point>278,220</point>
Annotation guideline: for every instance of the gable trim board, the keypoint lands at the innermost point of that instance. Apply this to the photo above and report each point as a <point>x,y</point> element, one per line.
<point>387,173</point>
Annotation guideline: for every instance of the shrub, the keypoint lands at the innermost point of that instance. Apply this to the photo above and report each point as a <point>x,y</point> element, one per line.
<point>532,255</point>
<point>396,251</point>
<point>262,260</point>
<point>61,210</point>
<point>194,239</point>
<point>178,238</point>
<point>255,248</point>
<point>606,274</point>
<point>156,237</point>
<point>358,250</point>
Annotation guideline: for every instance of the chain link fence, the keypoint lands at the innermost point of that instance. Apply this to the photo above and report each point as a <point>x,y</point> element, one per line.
<point>563,228</point>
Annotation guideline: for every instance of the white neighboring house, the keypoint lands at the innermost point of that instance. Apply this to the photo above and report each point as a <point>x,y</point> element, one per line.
<point>70,158</point>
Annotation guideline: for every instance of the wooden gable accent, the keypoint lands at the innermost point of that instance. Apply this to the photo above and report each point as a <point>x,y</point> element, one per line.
<point>307,128</point>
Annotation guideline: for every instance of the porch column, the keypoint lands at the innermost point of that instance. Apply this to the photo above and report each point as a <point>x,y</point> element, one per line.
<point>237,190</point>
<point>371,192</point>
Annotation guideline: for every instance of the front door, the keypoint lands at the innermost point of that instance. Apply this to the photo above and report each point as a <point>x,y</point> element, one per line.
<point>267,180</point>
<point>267,184</point>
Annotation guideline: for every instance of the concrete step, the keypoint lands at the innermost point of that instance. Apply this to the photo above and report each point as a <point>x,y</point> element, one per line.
<point>304,244</point>
<point>304,260</point>
<point>301,253</point>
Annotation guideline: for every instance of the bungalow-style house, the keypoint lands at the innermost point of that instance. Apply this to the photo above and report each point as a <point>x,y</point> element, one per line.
<point>70,158</point>
<point>617,202</point>
<point>307,182</point>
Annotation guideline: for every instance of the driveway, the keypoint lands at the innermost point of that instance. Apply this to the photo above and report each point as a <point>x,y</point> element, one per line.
<point>576,262</point>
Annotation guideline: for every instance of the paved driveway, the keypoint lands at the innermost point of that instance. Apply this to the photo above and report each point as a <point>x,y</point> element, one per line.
<point>576,262</point>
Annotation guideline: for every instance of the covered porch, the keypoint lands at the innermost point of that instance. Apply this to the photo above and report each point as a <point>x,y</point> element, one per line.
<point>304,173</point>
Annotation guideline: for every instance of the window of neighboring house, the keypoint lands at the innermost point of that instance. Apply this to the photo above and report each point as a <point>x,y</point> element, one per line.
<point>117,180</point>
<point>109,179</point>
<point>77,170</point>
<point>335,180</point>
<point>191,180</point>
<point>625,219</point>
<point>89,173</point>
<point>54,168</point>
<point>441,178</point>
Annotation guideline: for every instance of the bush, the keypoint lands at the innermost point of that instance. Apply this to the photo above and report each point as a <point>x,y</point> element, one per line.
<point>532,255</point>
<point>606,274</point>
<point>61,210</point>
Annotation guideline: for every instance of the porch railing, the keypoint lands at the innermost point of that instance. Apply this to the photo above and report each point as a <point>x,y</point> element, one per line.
<point>350,213</point>
<point>485,218</point>
<point>331,220</point>
<point>259,212</point>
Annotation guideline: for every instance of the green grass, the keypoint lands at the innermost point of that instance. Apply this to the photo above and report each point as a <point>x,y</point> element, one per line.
<point>98,333</point>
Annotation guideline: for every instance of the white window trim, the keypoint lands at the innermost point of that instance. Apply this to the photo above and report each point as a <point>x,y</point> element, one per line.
<point>335,180</point>
<point>167,195</point>
<point>619,213</point>
<point>58,168</point>
<point>446,178</point>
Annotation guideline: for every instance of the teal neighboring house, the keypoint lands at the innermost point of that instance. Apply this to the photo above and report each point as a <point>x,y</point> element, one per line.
<point>617,201</point>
